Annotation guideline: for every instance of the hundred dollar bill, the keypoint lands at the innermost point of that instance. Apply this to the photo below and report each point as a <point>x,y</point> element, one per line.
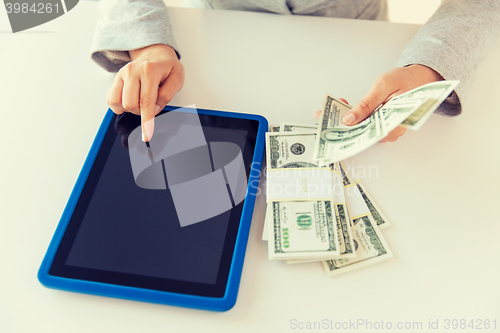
<point>342,216</point>
<point>333,136</point>
<point>350,178</point>
<point>274,128</point>
<point>290,150</point>
<point>298,127</point>
<point>370,247</point>
<point>433,94</point>
<point>336,141</point>
<point>289,127</point>
<point>302,230</point>
<point>346,243</point>
<point>408,101</point>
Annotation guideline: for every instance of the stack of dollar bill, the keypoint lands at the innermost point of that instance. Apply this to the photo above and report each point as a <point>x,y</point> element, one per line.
<point>341,227</point>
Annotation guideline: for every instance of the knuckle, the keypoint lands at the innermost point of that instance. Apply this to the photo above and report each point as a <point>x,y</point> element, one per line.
<point>169,63</point>
<point>148,66</point>
<point>180,68</point>
<point>383,81</point>
<point>364,107</point>
<point>114,103</point>
<point>116,111</point>
<point>146,102</point>
<point>166,99</point>
<point>130,106</point>
<point>177,75</point>
<point>126,70</point>
<point>165,96</point>
<point>113,100</point>
<point>181,80</point>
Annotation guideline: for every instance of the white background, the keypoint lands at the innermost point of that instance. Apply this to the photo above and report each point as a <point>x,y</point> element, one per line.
<point>438,186</point>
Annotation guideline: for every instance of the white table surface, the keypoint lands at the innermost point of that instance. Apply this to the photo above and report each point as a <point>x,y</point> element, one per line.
<point>438,186</point>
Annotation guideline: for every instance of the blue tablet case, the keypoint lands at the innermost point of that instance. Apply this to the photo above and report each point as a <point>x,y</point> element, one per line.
<point>147,295</point>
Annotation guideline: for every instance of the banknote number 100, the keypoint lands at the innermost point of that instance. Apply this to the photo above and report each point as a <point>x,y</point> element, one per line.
<point>286,236</point>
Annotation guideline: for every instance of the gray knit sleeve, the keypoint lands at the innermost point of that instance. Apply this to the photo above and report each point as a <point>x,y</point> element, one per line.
<point>128,25</point>
<point>453,42</point>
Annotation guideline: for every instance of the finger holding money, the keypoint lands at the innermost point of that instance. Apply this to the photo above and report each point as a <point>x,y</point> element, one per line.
<point>394,135</point>
<point>390,84</point>
<point>318,113</point>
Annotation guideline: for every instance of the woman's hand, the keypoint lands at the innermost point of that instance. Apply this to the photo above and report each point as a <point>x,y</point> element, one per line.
<point>146,84</point>
<point>392,83</point>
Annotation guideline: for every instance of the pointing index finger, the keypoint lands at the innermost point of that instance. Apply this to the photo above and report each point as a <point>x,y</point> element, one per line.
<point>149,93</point>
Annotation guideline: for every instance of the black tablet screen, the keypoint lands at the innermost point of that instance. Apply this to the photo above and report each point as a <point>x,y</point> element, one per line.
<point>123,234</point>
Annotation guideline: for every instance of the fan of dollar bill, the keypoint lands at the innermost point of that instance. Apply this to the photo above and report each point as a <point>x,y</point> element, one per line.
<point>317,207</point>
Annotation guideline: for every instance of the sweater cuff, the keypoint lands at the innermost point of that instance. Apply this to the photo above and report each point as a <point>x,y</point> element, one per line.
<point>453,42</point>
<point>117,33</point>
<point>452,105</point>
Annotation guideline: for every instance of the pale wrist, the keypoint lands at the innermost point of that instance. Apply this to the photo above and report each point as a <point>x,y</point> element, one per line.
<point>134,54</point>
<point>426,73</point>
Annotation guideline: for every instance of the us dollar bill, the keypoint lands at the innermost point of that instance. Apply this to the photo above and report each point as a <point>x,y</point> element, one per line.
<point>290,150</point>
<point>344,233</point>
<point>302,230</point>
<point>350,178</point>
<point>287,127</point>
<point>274,128</point>
<point>346,243</point>
<point>336,141</point>
<point>298,127</point>
<point>370,247</point>
<point>429,97</point>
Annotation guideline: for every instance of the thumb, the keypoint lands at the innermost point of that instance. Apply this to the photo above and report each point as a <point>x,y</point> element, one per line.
<point>376,96</point>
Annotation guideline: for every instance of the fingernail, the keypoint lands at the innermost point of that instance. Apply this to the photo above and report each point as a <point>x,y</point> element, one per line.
<point>349,119</point>
<point>147,130</point>
<point>158,108</point>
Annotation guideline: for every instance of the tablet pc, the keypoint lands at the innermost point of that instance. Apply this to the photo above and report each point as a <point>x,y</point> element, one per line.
<point>123,232</point>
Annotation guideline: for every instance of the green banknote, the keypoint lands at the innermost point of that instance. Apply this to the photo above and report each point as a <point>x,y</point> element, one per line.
<point>302,230</point>
<point>298,127</point>
<point>336,141</point>
<point>274,128</point>
<point>344,233</point>
<point>349,178</point>
<point>429,97</point>
<point>290,150</point>
<point>369,244</point>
